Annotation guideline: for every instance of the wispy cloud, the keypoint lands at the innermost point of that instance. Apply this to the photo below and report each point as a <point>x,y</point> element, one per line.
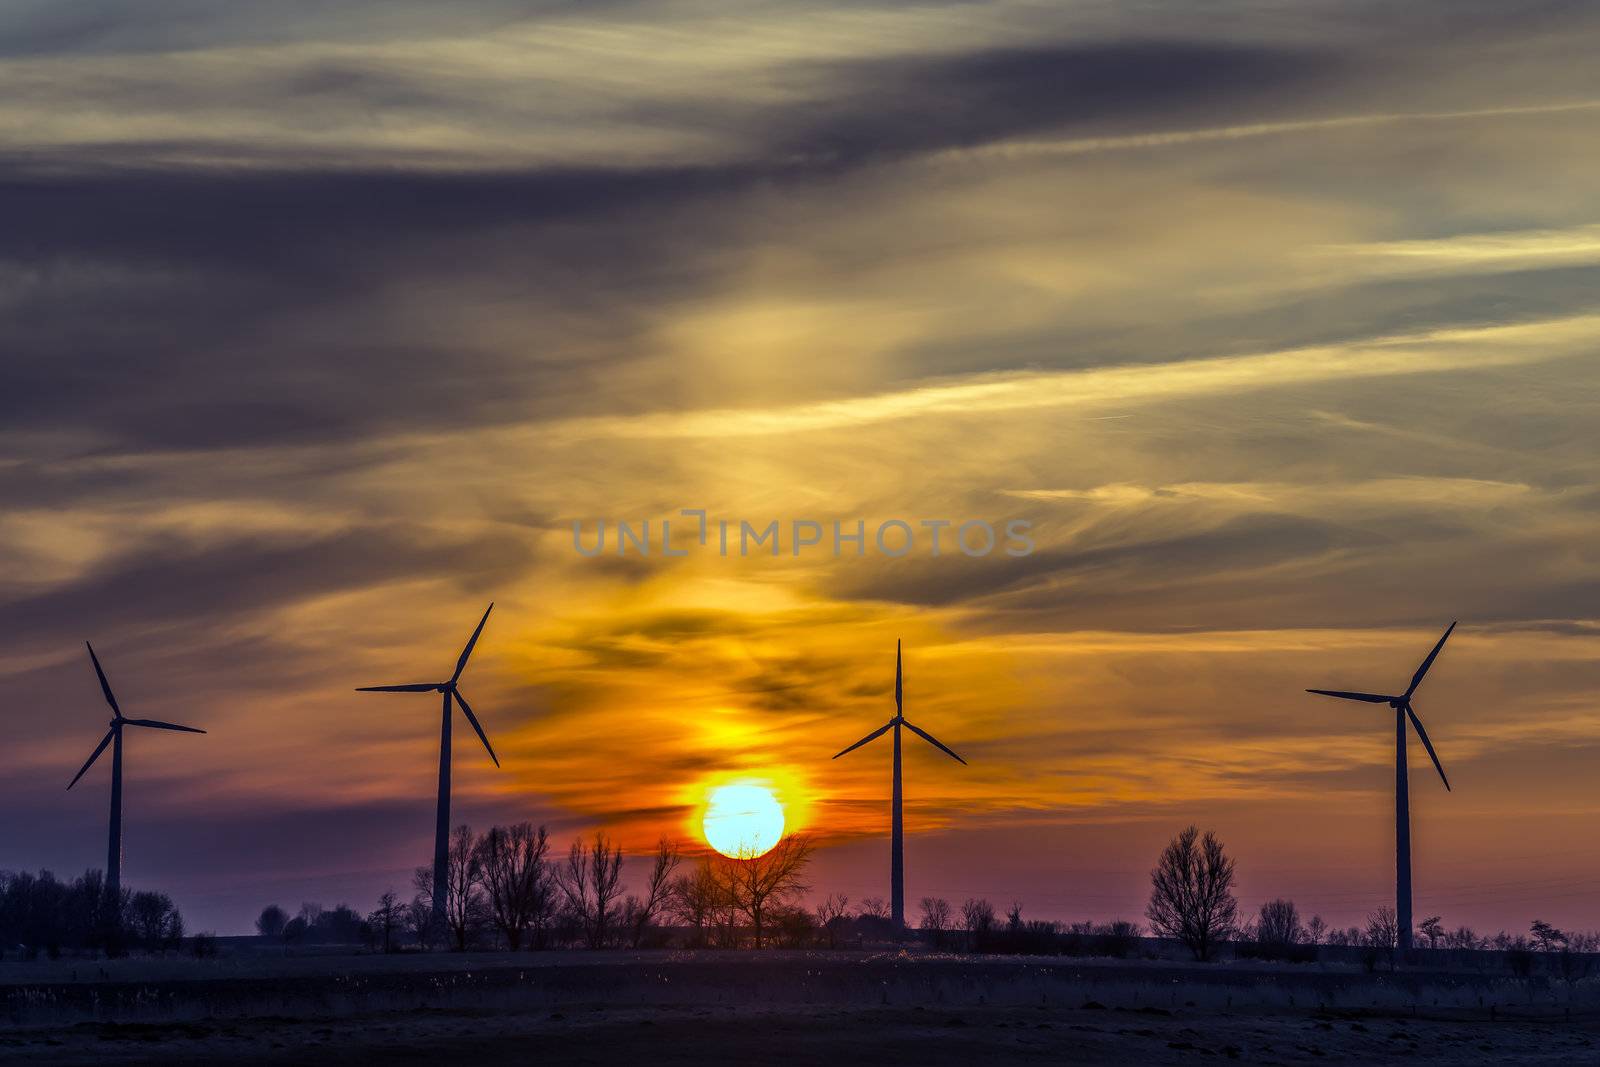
<point>1431,352</point>
<point>321,330</point>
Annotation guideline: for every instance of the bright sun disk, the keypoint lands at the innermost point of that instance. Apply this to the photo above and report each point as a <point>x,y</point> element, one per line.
<point>743,820</point>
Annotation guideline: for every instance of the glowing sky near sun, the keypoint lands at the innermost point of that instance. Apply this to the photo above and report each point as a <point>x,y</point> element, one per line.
<point>1279,324</point>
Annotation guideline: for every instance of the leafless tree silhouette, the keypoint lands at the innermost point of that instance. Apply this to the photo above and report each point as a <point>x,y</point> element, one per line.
<point>830,914</point>
<point>1279,924</point>
<point>696,897</point>
<point>515,878</point>
<point>419,920</point>
<point>1382,936</point>
<point>387,919</point>
<point>463,905</point>
<point>658,890</point>
<point>772,877</point>
<point>591,880</point>
<point>1191,897</point>
<point>154,921</point>
<point>978,918</point>
<point>936,918</point>
<point>1546,938</point>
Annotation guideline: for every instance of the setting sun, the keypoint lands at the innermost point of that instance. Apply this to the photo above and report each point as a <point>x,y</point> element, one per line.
<point>743,820</point>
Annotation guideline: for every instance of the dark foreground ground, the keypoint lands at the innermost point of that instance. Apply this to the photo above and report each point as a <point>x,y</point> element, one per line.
<point>778,1008</point>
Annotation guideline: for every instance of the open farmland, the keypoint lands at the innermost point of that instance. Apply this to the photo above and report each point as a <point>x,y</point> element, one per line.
<point>779,1007</point>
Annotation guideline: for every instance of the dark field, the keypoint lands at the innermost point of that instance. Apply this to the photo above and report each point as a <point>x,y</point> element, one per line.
<point>778,1008</point>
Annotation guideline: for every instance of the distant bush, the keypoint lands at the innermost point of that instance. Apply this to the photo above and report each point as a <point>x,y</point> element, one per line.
<point>271,921</point>
<point>153,922</point>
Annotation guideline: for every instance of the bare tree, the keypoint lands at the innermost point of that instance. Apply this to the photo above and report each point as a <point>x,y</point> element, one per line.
<point>770,878</point>
<point>977,916</point>
<point>387,919</point>
<point>873,908</point>
<point>1316,930</point>
<point>572,878</point>
<point>605,868</point>
<point>1382,935</point>
<point>1546,938</point>
<point>154,921</point>
<point>419,917</point>
<point>1381,929</point>
<point>658,891</point>
<point>1432,929</point>
<point>591,881</point>
<point>936,918</point>
<point>696,896</point>
<point>1191,897</point>
<point>463,906</point>
<point>1279,924</point>
<point>830,914</point>
<point>515,878</point>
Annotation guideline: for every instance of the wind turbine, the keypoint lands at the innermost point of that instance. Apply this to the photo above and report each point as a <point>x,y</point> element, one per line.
<point>113,738</point>
<point>441,838</point>
<point>1402,792</point>
<point>897,859</point>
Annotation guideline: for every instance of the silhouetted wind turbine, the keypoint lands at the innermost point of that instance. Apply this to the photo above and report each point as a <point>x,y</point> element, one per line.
<point>113,738</point>
<point>441,839</point>
<point>1402,791</point>
<point>897,859</point>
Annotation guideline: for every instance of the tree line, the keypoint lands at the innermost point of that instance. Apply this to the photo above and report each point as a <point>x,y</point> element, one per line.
<point>507,888</point>
<point>42,915</point>
<point>1192,902</point>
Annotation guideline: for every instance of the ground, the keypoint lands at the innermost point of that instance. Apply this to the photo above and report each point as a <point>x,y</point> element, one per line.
<point>777,1008</point>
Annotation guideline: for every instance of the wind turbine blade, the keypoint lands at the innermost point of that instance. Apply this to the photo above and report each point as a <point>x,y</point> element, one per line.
<point>461,664</point>
<point>104,741</point>
<point>898,707</point>
<point>1429,746</point>
<point>879,732</point>
<point>1370,698</point>
<point>935,742</point>
<point>1416,679</point>
<point>105,686</point>
<point>162,725</point>
<point>419,687</point>
<point>473,719</point>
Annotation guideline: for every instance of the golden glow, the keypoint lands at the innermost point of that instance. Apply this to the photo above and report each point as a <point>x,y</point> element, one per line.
<point>742,820</point>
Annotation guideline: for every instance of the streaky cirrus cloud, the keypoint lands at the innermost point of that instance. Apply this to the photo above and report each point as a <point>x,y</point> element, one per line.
<point>321,330</point>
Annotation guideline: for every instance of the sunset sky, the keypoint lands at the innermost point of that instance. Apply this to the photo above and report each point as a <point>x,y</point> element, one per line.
<point>320,325</point>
